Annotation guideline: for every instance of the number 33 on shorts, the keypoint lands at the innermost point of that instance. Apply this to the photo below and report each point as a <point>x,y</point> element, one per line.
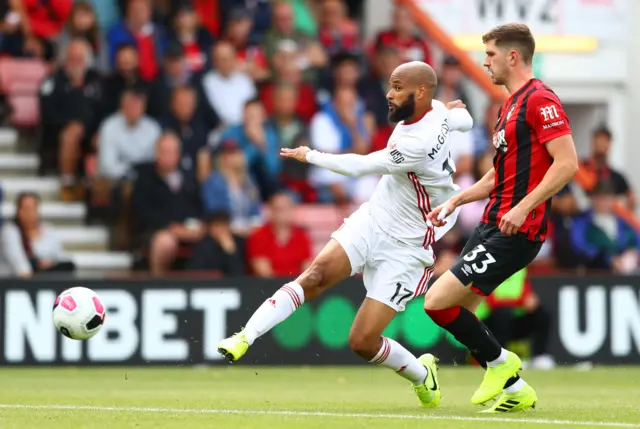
<point>482,264</point>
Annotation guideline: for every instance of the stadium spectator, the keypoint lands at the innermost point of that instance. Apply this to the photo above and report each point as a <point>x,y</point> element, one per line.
<point>290,132</point>
<point>28,245</point>
<point>345,72</point>
<point>174,74</point>
<point>337,32</point>
<point>565,207</point>
<point>337,128</point>
<point>230,188</point>
<point>259,11</point>
<point>601,238</point>
<point>31,27</point>
<point>138,29</point>
<point>513,312</point>
<point>196,41</point>
<point>70,105</point>
<point>483,131</point>
<point>127,138</point>
<point>167,207</point>
<point>83,23</point>
<point>309,52</point>
<point>287,71</point>
<point>226,88</point>
<point>280,248</point>
<point>250,58</point>
<point>186,122</point>
<point>220,251</point>
<point>450,87</point>
<point>373,87</point>
<point>124,76</point>
<point>599,169</point>
<point>258,140</point>
<point>403,37</point>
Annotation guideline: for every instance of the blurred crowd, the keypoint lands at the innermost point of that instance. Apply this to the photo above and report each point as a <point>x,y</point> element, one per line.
<point>167,118</point>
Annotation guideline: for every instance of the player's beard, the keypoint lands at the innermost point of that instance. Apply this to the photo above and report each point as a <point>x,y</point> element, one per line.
<point>403,111</point>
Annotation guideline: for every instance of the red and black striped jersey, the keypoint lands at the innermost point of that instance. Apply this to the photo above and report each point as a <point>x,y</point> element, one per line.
<point>531,117</point>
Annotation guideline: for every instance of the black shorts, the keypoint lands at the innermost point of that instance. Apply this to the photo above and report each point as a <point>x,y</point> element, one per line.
<point>490,257</point>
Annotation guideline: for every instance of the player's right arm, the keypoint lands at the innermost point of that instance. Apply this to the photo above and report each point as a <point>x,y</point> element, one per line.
<point>408,155</point>
<point>479,191</point>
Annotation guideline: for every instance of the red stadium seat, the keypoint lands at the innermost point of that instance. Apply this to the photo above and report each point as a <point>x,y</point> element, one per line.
<point>20,80</point>
<point>320,221</point>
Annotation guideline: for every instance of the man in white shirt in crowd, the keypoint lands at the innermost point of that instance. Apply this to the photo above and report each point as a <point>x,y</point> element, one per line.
<point>127,137</point>
<point>226,88</point>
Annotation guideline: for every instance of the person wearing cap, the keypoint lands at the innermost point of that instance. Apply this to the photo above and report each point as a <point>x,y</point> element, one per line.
<point>602,238</point>
<point>230,188</point>
<point>250,57</point>
<point>220,251</point>
<point>196,42</point>
<point>138,29</point>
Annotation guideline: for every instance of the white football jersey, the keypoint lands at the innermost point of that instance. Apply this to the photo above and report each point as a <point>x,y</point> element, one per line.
<point>421,176</point>
<point>416,167</point>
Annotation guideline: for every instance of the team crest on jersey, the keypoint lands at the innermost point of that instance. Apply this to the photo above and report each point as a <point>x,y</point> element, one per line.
<point>511,109</point>
<point>391,145</point>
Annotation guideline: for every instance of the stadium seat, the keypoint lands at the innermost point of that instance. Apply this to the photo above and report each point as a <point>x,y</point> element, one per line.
<point>320,221</point>
<point>19,81</point>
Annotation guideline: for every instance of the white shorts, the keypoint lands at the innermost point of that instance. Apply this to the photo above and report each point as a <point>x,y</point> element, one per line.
<point>394,272</point>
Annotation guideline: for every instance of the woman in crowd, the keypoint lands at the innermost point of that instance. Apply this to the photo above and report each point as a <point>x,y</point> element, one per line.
<point>28,245</point>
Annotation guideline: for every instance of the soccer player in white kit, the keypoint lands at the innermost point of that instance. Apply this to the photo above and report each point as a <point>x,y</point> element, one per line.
<point>388,239</point>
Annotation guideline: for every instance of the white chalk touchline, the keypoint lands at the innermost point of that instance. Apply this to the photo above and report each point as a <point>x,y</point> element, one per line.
<point>317,414</point>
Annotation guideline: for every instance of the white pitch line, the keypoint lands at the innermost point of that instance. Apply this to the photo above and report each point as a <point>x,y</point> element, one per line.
<point>317,414</point>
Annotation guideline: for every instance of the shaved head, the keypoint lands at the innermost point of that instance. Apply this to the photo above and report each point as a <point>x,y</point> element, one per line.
<point>413,85</point>
<point>417,73</point>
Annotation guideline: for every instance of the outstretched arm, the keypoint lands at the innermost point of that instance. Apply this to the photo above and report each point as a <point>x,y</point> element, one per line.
<point>350,164</point>
<point>404,158</point>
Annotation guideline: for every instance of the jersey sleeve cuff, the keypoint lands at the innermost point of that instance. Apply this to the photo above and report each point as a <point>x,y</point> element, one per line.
<point>548,138</point>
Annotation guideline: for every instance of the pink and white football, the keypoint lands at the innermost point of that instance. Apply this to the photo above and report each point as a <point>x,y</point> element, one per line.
<point>78,313</point>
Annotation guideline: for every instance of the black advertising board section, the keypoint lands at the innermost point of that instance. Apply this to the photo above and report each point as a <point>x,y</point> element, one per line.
<point>596,318</point>
<point>180,322</point>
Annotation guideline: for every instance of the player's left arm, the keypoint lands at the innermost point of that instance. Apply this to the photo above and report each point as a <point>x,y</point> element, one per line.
<point>551,126</point>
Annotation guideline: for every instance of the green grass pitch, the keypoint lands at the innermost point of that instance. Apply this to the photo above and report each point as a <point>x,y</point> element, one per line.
<point>247,397</point>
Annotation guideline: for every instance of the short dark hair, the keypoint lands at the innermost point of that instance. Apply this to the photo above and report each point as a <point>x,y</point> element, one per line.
<point>514,35</point>
<point>602,130</point>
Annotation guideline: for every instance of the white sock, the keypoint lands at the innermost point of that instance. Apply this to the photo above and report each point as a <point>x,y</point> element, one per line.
<point>515,387</point>
<point>281,305</point>
<point>501,359</point>
<point>394,356</point>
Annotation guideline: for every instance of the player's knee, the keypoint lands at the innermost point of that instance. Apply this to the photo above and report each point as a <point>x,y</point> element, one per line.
<point>433,303</point>
<point>363,344</point>
<point>313,280</point>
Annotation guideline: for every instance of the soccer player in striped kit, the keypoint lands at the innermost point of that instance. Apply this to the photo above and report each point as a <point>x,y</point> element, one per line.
<point>388,239</point>
<point>534,158</point>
